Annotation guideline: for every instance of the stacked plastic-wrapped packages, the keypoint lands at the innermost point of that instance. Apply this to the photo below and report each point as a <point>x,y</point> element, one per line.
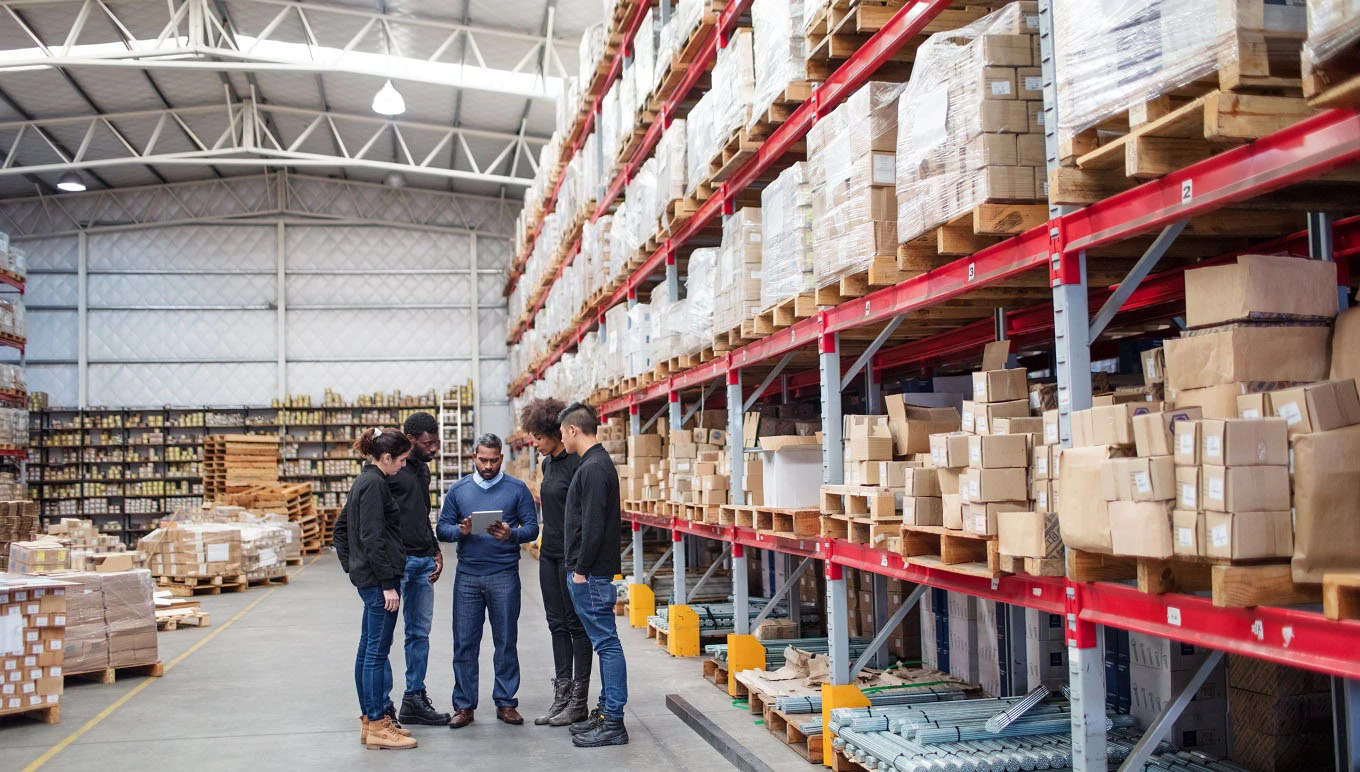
<point>851,170</point>
<point>779,51</point>
<point>786,248</point>
<point>589,53</point>
<point>615,343</point>
<point>1333,27</point>
<point>1115,53</point>
<point>12,378</point>
<point>13,320</point>
<point>611,139</point>
<point>965,132</point>
<point>736,294</point>
<point>684,20</point>
<point>670,169</point>
<point>263,550</point>
<point>568,105</point>
<point>638,339</point>
<point>665,334</point>
<point>724,109</point>
<point>644,60</point>
<point>13,426</point>
<point>700,284</point>
<point>812,9</point>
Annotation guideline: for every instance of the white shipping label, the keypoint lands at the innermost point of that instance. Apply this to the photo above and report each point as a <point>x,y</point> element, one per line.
<point>1187,444</point>
<point>968,419</point>
<point>12,634</point>
<point>1041,462</point>
<point>1219,535</point>
<point>938,456</point>
<point>1042,500</point>
<point>1142,482</point>
<point>1034,83</point>
<point>1050,434</point>
<point>1290,412</point>
<point>885,169</point>
<point>1185,537</point>
<point>973,490</point>
<point>1251,412</point>
<point>975,454</point>
<point>268,557</point>
<point>1032,21</point>
<point>1216,488</point>
<point>219,553</point>
<point>931,125</point>
<point>1213,446</point>
<point>1188,495</point>
<point>1001,88</point>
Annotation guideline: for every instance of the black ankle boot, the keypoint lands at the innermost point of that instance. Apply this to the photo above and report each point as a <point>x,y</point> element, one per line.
<point>416,708</point>
<point>575,709</point>
<point>591,721</point>
<point>610,732</point>
<point>561,696</point>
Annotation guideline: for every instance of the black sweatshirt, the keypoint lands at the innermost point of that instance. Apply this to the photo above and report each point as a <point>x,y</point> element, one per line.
<point>368,533</point>
<point>593,518</point>
<point>557,473</point>
<point>410,487</point>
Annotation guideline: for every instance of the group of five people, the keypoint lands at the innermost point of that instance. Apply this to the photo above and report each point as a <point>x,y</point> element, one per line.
<point>386,545</point>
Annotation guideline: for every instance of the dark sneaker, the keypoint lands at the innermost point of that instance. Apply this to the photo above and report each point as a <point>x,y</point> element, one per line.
<point>609,732</point>
<point>416,708</point>
<point>592,721</point>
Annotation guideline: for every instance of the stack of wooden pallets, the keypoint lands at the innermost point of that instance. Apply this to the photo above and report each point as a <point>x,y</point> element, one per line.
<point>233,463</point>
<point>293,500</point>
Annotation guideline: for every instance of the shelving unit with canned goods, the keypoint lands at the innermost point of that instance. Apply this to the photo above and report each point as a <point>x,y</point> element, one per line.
<point>1100,255</point>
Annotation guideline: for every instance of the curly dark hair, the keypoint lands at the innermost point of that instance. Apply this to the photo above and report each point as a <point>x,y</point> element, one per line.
<point>540,417</point>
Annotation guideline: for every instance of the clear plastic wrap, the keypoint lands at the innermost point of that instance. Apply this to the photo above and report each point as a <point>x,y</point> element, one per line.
<point>684,20</point>
<point>615,342</point>
<point>638,339</point>
<point>964,129</point>
<point>670,169</point>
<point>737,294</point>
<point>1333,27</point>
<point>665,332</point>
<point>589,53</point>
<point>851,170</point>
<point>699,140</point>
<point>1112,54</point>
<point>644,59</point>
<point>778,47</point>
<point>700,281</point>
<point>130,618</point>
<point>811,10</point>
<point>724,109</point>
<point>786,226</point>
<point>87,638</point>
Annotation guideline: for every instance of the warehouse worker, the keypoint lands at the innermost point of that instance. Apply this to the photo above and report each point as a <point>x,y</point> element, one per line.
<point>591,535</point>
<point>368,542</point>
<point>571,645</point>
<point>424,563</point>
<point>486,580</point>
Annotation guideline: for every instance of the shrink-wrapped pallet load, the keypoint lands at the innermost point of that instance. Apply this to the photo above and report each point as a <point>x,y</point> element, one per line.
<point>786,247</point>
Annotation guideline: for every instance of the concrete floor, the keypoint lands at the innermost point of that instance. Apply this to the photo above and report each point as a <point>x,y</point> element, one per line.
<point>269,686</point>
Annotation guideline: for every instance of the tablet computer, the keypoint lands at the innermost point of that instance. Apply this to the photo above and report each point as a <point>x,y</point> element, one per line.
<point>483,520</point>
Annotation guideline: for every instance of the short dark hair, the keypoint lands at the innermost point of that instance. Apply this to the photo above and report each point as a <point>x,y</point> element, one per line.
<point>379,441</point>
<point>540,417</point>
<point>420,423</point>
<point>580,415</point>
<point>489,440</point>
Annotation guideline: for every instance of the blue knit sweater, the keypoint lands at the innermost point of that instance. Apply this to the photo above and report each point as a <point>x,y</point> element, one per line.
<point>481,553</point>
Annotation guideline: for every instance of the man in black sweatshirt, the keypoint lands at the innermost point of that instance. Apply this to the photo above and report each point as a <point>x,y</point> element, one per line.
<point>591,539</point>
<point>410,487</point>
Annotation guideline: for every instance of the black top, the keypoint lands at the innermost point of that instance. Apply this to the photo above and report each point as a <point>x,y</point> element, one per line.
<point>368,533</point>
<point>410,487</point>
<point>557,473</point>
<point>593,519</point>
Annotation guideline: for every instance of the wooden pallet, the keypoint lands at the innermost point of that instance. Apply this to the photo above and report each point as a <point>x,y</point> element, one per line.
<point>784,727</point>
<point>1033,566</point>
<point>860,530</point>
<point>842,763</point>
<point>1165,136</point>
<point>213,585</point>
<point>715,672</point>
<point>109,675</point>
<point>49,714</point>
<point>860,501</point>
<point>882,272</point>
<point>266,581</point>
<point>1232,586</point>
<point>297,561</point>
<point>985,225</point>
<point>795,523</point>
<point>1341,595</point>
<point>787,312</point>
<point>951,550</point>
<point>1334,83</point>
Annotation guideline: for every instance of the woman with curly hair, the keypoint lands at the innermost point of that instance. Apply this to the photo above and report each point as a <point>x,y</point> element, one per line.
<point>571,645</point>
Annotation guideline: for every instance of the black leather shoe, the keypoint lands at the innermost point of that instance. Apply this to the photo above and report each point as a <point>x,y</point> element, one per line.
<point>595,718</point>
<point>609,732</point>
<point>416,708</point>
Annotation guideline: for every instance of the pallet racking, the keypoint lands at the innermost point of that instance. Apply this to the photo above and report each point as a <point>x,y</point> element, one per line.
<point>1272,169</point>
<point>457,434</point>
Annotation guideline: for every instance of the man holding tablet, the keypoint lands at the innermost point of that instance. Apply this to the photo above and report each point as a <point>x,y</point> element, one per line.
<point>486,576</point>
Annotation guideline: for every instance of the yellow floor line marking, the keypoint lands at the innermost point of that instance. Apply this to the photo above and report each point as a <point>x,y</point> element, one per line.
<point>121,701</point>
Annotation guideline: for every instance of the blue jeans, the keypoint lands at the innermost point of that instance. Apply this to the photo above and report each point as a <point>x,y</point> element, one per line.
<point>372,669</point>
<point>594,601</point>
<point>476,599</point>
<point>417,606</point>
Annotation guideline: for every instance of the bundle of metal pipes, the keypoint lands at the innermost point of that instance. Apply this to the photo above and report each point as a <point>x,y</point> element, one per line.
<point>774,649</point>
<point>890,752</point>
<point>718,618</point>
<point>879,701</point>
<point>1187,761</point>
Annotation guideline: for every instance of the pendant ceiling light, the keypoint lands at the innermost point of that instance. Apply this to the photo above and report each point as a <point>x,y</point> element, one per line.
<point>388,100</point>
<point>71,182</point>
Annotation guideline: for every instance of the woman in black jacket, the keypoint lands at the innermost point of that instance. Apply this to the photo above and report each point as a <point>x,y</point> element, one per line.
<point>368,543</point>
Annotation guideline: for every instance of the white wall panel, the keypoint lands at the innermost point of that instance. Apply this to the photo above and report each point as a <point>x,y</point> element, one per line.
<point>493,252</point>
<point>374,247</point>
<point>185,247</point>
<point>54,289</point>
<point>52,335</point>
<point>355,378</point>
<point>59,381</point>
<point>182,384</point>
<point>491,325</point>
<point>180,290</point>
<point>377,287</point>
<point>369,334</point>
<point>490,288</point>
<point>59,253</point>
<point>196,335</point>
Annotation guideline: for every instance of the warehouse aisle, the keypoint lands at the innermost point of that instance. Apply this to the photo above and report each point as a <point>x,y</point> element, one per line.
<point>269,686</point>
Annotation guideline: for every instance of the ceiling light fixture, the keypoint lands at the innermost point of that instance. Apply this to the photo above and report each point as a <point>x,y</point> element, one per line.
<point>388,100</point>
<point>395,180</point>
<point>71,182</point>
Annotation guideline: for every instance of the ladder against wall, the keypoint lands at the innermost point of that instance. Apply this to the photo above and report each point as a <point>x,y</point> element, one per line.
<point>457,433</point>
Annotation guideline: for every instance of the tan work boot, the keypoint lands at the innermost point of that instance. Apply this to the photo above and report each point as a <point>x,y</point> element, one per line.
<point>382,736</point>
<point>391,714</point>
<point>363,730</point>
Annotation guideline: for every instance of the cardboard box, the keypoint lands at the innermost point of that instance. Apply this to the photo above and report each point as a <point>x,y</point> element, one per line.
<point>1113,424</point>
<point>1032,426</point>
<point>1244,442</point>
<point>1154,366</point>
<point>920,481</point>
<point>1000,385</point>
<point>1039,457</point>
<point>1244,488</point>
<point>644,445</point>
<point>1153,433</point>
<point>952,514</point>
<point>1318,407</point>
<point>893,474</point>
<point>1260,287</point>
<point>981,518</point>
<point>1187,528</point>
<point>949,450</point>
<point>1051,428</point>
<point>1083,513</point>
<point>1249,535</point>
<point>1243,353</point>
<point>1139,479</point>
<point>1141,528</point>
<point>867,438</point>
<point>986,414</point>
<point>1029,534</point>
<point>792,476</point>
<point>990,485</point>
<point>1346,345</point>
<point>1257,405</point>
<point>922,510</point>
<point>912,426</point>
<point>999,451</point>
<point>1326,507</point>
<point>1187,488</point>
<point>1185,452</point>
<point>950,480</point>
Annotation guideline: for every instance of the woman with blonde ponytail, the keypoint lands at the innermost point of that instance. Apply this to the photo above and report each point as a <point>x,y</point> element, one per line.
<point>368,543</point>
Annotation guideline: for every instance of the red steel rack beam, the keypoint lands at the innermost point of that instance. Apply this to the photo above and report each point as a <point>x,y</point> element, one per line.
<point>907,23</point>
<point>579,133</point>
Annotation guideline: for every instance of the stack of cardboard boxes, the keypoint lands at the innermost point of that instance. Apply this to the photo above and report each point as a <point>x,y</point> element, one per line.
<point>868,443</point>
<point>18,522</point>
<point>1159,670</point>
<point>193,551</point>
<point>698,467</point>
<point>736,296</point>
<point>38,556</point>
<point>32,647</point>
<point>905,642</point>
<point>640,473</point>
<point>1281,717</point>
<point>997,476</point>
